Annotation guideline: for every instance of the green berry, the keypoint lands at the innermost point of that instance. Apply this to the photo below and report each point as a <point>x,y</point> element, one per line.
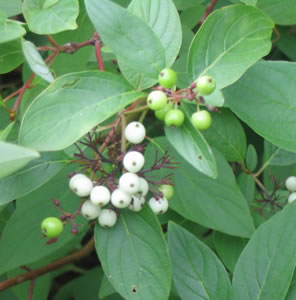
<point>167,78</point>
<point>52,227</point>
<point>167,191</point>
<point>157,100</point>
<point>205,85</point>
<point>201,120</point>
<point>160,114</point>
<point>174,118</point>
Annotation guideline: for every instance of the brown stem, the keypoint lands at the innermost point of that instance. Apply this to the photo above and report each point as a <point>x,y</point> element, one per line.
<point>99,56</point>
<point>86,250</point>
<point>208,11</point>
<point>52,41</point>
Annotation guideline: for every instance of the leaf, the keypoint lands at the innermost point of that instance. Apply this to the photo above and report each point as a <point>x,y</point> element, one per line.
<point>11,7</point>
<point>227,135</point>
<point>5,133</point>
<point>292,289</point>
<point>266,95</point>
<point>130,38</point>
<point>271,252</point>
<point>250,2</point>
<point>134,256</point>
<point>247,186</point>
<point>44,19</point>
<point>36,61</point>
<point>22,241</point>
<point>197,272</point>
<point>11,56</point>
<point>283,12</point>
<point>230,40</point>
<point>10,30</point>
<point>190,143</point>
<point>251,158</point>
<point>14,157</point>
<point>34,175</point>
<point>190,16</point>
<point>71,106</point>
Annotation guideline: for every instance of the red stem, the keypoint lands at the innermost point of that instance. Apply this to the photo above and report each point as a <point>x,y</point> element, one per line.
<point>208,11</point>
<point>99,55</point>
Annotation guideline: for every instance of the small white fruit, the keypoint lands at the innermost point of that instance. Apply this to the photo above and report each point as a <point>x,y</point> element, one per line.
<point>291,183</point>
<point>133,161</point>
<point>159,206</point>
<point>73,179</point>
<point>82,186</point>
<point>120,199</point>
<point>292,197</point>
<point>129,183</point>
<point>135,132</point>
<point>144,187</point>
<point>100,195</point>
<point>89,210</point>
<point>107,218</point>
<point>137,203</point>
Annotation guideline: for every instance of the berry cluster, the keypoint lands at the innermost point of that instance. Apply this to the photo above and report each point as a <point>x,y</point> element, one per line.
<point>164,101</point>
<point>291,186</point>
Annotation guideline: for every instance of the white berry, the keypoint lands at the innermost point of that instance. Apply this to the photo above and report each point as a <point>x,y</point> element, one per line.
<point>129,183</point>
<point>89,210</point>
<point>144,187</point>
<point>120,199</point>
<point>292,197</point>
<point>291,183</point>
<point>73,179</point>
<point>159,206</point>
<point>133,161</point>
<point>135,132</point>
<point>82,186</point>
<point>137,203</point>
<point>107,218</point>
<point>100,195</point>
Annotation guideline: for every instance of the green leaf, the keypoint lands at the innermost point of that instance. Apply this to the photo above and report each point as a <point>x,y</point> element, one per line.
<point>251,158</point>
<point>130,38</point>
<point>14,157</point>
<point>190,143</point>
<point>230,40</point>
<point>134,256</point>
<point>5,133</point>
<point>71,106</point>
<point>292,289</point>
<point>247,186</point>
<point>34,175</point>
<point>11,7</point>
<point>190,16</point>
<point>227,135</point>
<point>50,19</point>
<point>250,2</point>
<point>287,42</point>
<point>229,248</point>
<point>11,56</point>
<point>265,267</point>
<point>22,241</point>
<point>10,30</point>
<point>197,272</point>
<point>266,95</point>
<point>36,61</point>
<point>283,12</point>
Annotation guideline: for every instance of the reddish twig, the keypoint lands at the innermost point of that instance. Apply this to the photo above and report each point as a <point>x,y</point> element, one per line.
<point>99,56</point>
<point>208,11</point>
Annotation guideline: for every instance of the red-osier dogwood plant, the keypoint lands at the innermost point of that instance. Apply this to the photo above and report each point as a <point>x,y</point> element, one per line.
<point>147,149</point>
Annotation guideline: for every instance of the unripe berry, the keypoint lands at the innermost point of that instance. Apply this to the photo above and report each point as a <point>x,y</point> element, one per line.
<point>159,206</point>
<point>167,191</point>
<point>160,114</point>
<point>137,203</point>
<point>52,227</point>
<point>82,186</point>
<point>144,187</point>
<point>129,183</point>
<point>292,197</point>
<point>205,85</point>
<point>120,199</point>
<point>107,218</point>
<point>89,210</point>
<point>201,119</point>
<point>73,179</point>
<point>133,161</point>
<point>291,183</point>
<point>167,78</point>
<point>135,132</point>
<point>157,100</point>
<point>100,195</point>
<point>174,118</point>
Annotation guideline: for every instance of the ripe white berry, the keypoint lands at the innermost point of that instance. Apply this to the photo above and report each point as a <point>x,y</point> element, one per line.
<point>137,203</point>
<point>159,206</point>
<point>82,186</point>
<point>73,179</point>
<point>135,132</point>
<point>133,161</point>
<point>144,187</point>
<point>292,197</point>
<point>89,210</point>
<point>100,195</point>
<point>120,199</point>
<point>129,183</point>
<point>291,183</point>
<point>107,218</point>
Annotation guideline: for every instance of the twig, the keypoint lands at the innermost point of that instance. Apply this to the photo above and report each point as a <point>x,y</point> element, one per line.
<point>208,11</point>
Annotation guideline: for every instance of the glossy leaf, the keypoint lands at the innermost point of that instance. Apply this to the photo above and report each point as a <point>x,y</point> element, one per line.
<point>50,19</point>
<point>14,157</point>
<point>134,256</point>
<point>130,38</point>
<point>197,272</point>
<point>34,175</point>
<point>71,106</point>
<point>10,30</point>
<point>230,40</point>
<point>266,95</point>
<point>36,62</point>
<point>265,267</point>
